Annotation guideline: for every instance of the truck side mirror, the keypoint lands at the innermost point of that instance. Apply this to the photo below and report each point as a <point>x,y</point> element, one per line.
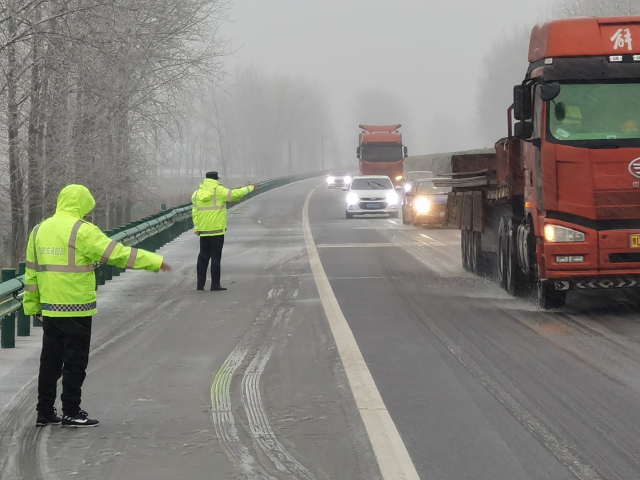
<point>358,152</point>
<point>522,102</point>
<point>523,130</point>
<point>406,152</point>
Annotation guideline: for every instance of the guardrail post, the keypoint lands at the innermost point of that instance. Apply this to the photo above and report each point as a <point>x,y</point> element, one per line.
<point>8,330</point>
<point>24,329</point>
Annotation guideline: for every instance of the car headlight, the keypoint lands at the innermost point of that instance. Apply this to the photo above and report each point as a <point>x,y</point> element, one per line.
<point>331,179</point>
<point>399,177</point>
<point>392,197</point>
<point>422,205</point>
<point>407,187</point>
<point>352,198</point>
<point>558,234</point>
<point>347,179</point>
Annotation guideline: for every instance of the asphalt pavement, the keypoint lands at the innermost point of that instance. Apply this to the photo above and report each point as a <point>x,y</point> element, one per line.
<point>259,382</point>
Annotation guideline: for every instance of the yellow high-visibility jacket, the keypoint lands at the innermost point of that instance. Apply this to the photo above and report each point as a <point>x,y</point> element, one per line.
<point>209,206</point>
<point>60,279</point>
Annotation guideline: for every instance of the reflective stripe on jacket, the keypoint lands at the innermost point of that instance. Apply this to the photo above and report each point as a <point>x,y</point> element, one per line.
<point>209,206</point>
<point>60,279</point>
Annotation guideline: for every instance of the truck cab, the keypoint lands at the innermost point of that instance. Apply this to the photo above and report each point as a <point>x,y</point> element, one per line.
<point>577,113</point>
<point>381,152</point>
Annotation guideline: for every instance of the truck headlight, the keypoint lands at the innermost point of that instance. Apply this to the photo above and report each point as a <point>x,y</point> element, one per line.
<point>399,177</point>
<point>423,205</point>
<point>392,197</point>
<point>407,187</point>
<point>558,234</point>
<point>352,198</point>
<point>331,180</point>
<point>347,179</point>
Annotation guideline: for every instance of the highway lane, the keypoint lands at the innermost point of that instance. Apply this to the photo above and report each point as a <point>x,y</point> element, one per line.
<point>227,385</point>
<point>248,383</point>
<point>479,384</point>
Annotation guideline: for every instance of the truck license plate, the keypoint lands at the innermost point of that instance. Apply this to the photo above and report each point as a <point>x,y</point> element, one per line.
<point>634,240</point>
<point>377,205</point>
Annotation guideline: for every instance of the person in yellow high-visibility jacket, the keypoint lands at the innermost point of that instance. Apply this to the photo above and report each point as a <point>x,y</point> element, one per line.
<point>209,211</point>
<point>60,285</point>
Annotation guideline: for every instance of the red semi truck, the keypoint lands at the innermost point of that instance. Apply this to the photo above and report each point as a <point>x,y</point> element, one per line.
<point>381,152</point>
<point>557,206</point>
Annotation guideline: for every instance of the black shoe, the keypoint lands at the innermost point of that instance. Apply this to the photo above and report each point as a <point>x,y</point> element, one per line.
<point>217,288</point>
<point>48,419</point>
<point>81,420</point>
<point>200,288</point>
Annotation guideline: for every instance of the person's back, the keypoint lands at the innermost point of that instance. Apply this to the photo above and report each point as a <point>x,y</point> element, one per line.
<point>60,285</point>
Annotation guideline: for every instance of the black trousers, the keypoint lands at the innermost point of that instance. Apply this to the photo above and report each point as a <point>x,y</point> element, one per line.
<point>210,249</point>
<point>65,352</point>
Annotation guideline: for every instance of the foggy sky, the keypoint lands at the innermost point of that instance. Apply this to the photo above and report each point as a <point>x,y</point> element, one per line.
<point>426,53</point>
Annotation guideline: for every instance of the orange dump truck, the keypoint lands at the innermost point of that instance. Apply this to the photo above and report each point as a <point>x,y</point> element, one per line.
<point>381,152</point>
<point>557,206</point>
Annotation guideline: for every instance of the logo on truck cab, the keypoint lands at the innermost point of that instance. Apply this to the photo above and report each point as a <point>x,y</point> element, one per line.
<point>634,168</point>
<point>621,38</point>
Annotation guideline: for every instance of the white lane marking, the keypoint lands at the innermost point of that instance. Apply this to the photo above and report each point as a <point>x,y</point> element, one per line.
<point>389,449</point>
<point>256,414</point>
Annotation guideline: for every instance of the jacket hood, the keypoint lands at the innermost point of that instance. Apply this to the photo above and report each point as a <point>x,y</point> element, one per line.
<point>205,192</point>
<point>75,200</point>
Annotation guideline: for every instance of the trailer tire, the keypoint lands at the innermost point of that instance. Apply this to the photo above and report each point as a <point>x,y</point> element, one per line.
<point>483,259</point>
<point>501,256</point>
<point>474,251</point>
<point>464,247</point>
<point>515,279</point>
<point>549,297</point>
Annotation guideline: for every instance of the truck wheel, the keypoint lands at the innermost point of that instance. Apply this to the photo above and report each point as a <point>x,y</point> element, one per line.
<point>549,297</point>
<point>500,257</point>
<point>464,249</point>
<point>405,218</point>
<point>473,252</point>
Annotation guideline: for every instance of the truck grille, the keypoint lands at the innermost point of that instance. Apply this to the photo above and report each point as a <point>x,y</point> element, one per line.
<point>617,205</point>
<point>604,199</point>
<point>618,213</point>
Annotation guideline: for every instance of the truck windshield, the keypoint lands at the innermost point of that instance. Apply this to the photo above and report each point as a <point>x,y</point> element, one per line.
<point>595,111</point>
<point>381,153</point>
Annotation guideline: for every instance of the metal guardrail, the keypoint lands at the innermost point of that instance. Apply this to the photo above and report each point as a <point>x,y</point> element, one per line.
<point>149,233</point>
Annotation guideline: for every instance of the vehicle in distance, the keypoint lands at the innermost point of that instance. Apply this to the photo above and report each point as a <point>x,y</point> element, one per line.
<point>338,179</point>
<point>380,151</point>
<point>371,194</point>
<point>425,204</point>
<point>411,177</point>
<point>557,203</point>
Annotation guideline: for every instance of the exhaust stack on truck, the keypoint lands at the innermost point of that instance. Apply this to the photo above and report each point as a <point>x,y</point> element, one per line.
<point>557,204</point>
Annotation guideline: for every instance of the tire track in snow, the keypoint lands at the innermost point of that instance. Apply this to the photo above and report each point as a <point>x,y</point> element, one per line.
<point>261,431</point>
<point>258,420</point>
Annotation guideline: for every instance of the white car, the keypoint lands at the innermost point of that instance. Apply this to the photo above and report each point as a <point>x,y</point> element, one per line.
<point>372,194</point>
<point>338,178</point>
